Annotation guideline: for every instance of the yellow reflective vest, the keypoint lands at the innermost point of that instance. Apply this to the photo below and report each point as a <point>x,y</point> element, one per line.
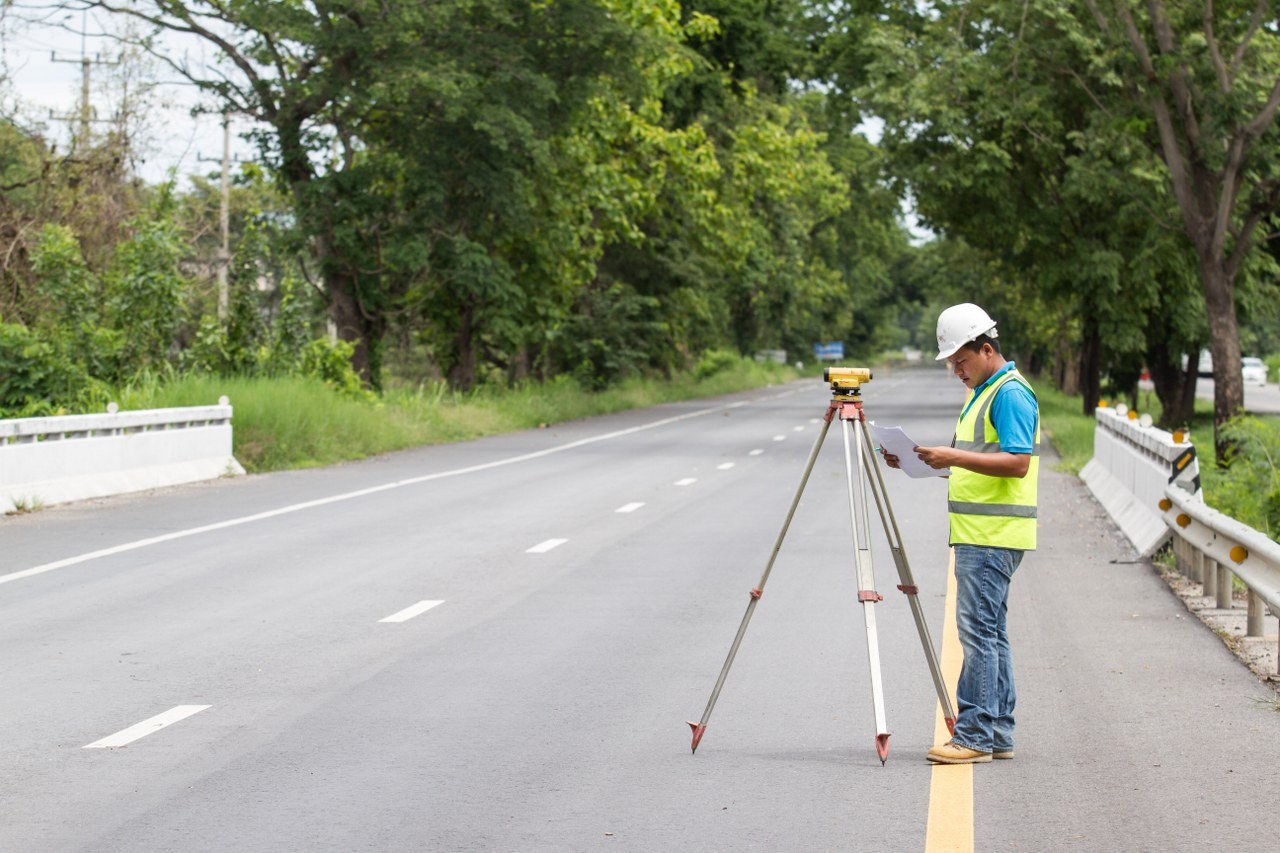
<point>994,511</point>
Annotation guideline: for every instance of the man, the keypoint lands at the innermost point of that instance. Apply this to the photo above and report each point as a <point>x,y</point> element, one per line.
<point>991,502</point>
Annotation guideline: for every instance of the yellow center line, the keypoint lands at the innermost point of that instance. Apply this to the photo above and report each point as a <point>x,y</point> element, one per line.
<point>951,785</point>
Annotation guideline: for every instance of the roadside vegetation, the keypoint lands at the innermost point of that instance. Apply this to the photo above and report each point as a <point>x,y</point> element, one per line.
<point>486,197</point>
<point>300,421</point>
<point>1247,488</point>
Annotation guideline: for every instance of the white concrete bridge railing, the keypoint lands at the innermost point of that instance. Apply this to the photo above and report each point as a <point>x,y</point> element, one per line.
<point>72,457</point>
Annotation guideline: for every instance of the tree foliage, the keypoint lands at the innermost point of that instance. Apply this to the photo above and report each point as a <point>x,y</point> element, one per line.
<point>1107,153</point>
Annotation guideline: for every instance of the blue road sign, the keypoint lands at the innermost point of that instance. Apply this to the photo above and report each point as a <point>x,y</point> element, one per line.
<point>830,351</point>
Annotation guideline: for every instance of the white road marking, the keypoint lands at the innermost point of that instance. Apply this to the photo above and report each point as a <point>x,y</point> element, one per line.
<point>346,496</point>
<point>756,452</point>
<point>687,481</point>
<point>724,466</point>
<point>815,420</point>
<point>797,429</point>
<point>544,547</point>
<point>411,611</point>
<point>629,507</point>
<point>146,727</point>
<point>779,438</point>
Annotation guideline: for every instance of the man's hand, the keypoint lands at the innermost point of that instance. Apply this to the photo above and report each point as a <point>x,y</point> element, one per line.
<point>937,457</point>
<point>1000,464</point>
<point>890,459</point>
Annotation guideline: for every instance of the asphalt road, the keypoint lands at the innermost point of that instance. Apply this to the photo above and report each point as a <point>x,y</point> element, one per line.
<point>541,705</point>
<point>1258,399</point>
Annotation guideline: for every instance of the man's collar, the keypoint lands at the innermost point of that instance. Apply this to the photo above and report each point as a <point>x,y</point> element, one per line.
<point>1004,368</point>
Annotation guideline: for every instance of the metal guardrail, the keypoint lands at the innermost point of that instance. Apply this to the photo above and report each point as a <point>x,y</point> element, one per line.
<point>1148,480</point>
<point>1212,548</point>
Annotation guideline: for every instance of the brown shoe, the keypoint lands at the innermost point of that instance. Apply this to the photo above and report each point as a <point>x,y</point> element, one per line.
<point>1002,754</point>
<point>953,753</point>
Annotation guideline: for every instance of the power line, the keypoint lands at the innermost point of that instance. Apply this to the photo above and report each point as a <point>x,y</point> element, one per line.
<point>86,117</point>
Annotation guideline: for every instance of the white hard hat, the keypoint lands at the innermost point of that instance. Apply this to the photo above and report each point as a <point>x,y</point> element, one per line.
<point>959,325</point>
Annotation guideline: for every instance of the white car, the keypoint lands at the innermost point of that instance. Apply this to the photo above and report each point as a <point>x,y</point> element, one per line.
<point>1254,371</point>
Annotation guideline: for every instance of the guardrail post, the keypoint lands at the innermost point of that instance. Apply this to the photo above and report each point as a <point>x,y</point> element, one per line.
<point>1254,619</point>
<point>1224,587</point>
<point>1209,577</point>
<point>1197,563</point>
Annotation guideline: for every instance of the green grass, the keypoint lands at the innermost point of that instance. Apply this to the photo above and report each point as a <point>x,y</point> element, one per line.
<point>1070,432</point>
<point>297,422</point>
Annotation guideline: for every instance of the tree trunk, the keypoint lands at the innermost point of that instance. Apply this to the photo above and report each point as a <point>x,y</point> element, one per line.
<point>462,373</point>
<point>1090,368</point>
<point>1176,395</point>
<point>339,284</point>
<point>1066,369</point>
<point>352,326</point>
<point>1190,377</point>
<point>521,366</point>
<point>1224,345</point>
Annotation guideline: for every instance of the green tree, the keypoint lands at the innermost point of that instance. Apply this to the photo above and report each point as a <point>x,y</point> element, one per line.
<point>1204,79</point>
<point>1002,148</point>
<point>400,130</point>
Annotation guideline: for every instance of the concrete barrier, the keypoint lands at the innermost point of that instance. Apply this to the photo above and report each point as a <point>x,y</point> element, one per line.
<point>1132,465</point>
<point>57,459</point>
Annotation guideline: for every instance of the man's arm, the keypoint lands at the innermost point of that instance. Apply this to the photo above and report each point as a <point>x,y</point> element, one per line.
<point>992,464</point>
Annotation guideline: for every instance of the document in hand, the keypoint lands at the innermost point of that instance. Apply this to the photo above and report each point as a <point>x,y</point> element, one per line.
<point>897,442</point>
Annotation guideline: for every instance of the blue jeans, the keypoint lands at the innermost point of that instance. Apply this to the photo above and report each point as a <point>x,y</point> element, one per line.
<point>985,692</point>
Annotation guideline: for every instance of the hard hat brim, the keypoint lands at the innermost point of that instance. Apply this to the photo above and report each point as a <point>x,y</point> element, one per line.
<point>991,333</point>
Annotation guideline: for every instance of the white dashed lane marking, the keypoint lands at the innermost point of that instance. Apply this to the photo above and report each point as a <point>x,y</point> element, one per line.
<point>299,507</point>
<point>687,481</point>
<point>756,452</point>
<point>411,611</point>
<point>724,466</point>
<point>544,547</point>
<point>629,507</point>
<point>146,727</point>
<point>779,438</point>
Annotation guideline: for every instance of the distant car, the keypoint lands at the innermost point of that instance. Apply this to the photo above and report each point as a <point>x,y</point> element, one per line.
<point>1255,372</point>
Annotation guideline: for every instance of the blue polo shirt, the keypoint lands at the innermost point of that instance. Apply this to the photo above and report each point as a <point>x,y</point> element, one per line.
<point>1014,412</point>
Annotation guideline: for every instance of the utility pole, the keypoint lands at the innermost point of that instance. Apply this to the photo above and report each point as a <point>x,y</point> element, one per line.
<point>224,219</point>
<point>86,63</point>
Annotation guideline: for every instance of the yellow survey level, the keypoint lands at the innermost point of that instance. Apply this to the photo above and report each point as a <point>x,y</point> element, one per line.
<point>846,377</point>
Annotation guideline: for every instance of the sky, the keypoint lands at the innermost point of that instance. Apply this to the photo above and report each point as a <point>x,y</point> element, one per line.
<point>169,136</point>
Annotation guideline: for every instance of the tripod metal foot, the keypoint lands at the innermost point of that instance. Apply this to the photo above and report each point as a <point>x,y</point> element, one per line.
<point>882,747</point>
<point>698,729</point>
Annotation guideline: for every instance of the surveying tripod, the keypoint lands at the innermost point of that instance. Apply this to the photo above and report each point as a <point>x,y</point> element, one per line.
<point>846,403</point>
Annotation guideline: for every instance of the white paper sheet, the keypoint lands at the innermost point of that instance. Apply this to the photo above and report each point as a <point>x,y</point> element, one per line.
<point>896,441</point>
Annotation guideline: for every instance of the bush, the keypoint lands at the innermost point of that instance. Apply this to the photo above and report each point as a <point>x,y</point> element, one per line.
<point>716,361</point>
<point>1248,488</point>
<point>1273,367</point>
<point>145,291</point>
<point>37,378</point>
<point>331,363</point>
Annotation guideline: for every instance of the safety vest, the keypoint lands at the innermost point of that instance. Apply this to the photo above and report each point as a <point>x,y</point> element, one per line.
<point>995,511</point>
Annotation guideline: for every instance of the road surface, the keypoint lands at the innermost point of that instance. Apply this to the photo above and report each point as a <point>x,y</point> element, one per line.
<point>278,640</point>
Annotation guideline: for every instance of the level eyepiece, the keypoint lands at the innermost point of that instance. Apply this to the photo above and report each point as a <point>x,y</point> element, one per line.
<point>846,377</point>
